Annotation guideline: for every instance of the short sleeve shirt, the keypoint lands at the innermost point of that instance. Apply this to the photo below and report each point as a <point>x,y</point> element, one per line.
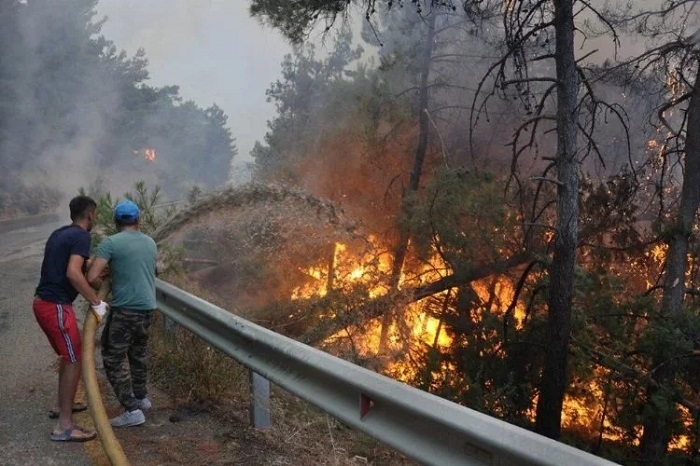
<point>132,260</point>
<point>54,285</point>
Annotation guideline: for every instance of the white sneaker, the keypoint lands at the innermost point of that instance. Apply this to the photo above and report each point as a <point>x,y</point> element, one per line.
<point>144,403</point>
<point>128,419</point>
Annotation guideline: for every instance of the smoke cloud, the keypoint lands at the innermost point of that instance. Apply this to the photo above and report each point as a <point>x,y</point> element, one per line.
<point>213,49</point>
<point>76,111</point>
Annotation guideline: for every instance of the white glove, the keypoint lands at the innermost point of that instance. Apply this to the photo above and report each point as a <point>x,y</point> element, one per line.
<point>100,310</point>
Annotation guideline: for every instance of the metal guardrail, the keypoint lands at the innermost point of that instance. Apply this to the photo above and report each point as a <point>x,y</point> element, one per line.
<point>425,427</point>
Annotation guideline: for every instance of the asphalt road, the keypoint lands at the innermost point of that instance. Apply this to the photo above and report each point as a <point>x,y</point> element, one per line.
<point>28,365</point>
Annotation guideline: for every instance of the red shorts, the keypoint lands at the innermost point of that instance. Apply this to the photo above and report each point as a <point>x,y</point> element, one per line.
<point>60,326</point>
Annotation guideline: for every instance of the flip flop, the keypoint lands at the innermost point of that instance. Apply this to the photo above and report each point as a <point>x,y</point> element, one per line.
<point>74,434</point>
<point>78,407</point>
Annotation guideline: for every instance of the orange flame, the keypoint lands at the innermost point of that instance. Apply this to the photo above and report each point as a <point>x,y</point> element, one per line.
<point>367,269</point>
<point>149,154</point>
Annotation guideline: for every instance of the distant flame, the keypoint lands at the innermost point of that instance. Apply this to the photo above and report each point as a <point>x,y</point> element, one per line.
<point>149,154</point>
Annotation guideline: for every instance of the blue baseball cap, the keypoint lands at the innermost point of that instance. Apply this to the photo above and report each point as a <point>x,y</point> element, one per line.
<point>126,212</point>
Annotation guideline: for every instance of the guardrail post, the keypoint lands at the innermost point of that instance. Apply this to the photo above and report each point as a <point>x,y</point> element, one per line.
<point>259,401</point>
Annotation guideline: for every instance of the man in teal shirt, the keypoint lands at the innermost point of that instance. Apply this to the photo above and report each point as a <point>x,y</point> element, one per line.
<point>131,256</point>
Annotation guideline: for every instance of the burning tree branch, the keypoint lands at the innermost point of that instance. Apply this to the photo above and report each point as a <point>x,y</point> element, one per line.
<point>611,362</point>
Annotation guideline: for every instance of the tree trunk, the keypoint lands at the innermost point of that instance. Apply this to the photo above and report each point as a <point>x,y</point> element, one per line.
<point>657,422</point>
<point>414,183</point>
<point>561,273</point>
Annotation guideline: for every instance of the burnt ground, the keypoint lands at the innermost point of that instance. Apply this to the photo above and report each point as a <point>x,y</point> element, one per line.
<point>188,433</point>
<point>177,432</point>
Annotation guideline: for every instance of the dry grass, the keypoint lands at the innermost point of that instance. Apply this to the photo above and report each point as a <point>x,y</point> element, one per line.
<point>309,436</point>
<point>182,364</point>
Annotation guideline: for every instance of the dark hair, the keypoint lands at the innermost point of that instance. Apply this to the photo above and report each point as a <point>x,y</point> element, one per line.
<point>80,206</point>
<point>125,223</point>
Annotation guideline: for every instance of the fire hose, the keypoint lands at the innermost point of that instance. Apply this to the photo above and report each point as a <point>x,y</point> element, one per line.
<point>110,444</point>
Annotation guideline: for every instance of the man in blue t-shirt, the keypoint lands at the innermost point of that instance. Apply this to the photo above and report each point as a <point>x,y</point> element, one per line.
<point>131,256</point>
<point>61,280</point>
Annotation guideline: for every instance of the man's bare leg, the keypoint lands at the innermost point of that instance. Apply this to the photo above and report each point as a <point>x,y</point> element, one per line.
<point>68,378</point>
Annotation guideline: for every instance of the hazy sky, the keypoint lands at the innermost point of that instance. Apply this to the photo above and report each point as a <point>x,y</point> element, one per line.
<point>212,49</point>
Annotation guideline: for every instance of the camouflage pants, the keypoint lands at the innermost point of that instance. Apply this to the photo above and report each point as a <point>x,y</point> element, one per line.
<point>125,337</point>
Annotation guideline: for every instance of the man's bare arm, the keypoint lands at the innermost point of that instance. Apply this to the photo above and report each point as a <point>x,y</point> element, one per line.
<point>77,279</point>
<point>95,272</point>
